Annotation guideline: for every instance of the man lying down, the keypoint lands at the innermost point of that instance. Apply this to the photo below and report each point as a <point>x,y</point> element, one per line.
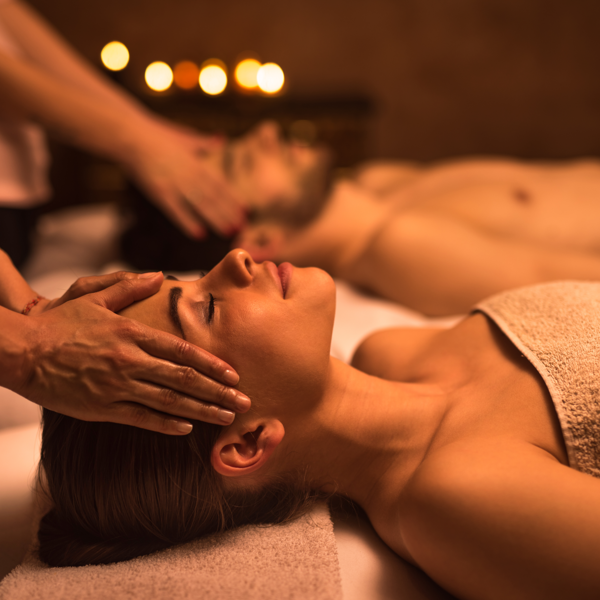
<point>435,238</point>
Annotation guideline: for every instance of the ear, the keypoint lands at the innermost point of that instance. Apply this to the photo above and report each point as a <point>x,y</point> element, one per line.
<point>263,241</point>
<point>245,449</point>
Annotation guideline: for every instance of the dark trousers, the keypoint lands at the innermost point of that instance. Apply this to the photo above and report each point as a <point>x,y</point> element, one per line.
<point>16,228</point>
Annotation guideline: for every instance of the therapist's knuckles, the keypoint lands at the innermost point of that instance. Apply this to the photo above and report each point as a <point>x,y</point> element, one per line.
<point>232,398</point>
<point>169,399</point>
<point>211,413</point>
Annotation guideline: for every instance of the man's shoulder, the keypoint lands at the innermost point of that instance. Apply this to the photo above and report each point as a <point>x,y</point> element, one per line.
<point>385,176</point>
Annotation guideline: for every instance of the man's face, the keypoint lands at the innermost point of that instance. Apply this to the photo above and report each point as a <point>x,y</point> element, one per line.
<point>271,173</point>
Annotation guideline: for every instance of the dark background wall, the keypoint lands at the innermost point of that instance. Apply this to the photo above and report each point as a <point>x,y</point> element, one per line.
<point>448,77</point>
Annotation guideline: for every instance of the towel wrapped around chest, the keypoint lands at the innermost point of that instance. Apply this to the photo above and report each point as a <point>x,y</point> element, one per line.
<point>557,328</point>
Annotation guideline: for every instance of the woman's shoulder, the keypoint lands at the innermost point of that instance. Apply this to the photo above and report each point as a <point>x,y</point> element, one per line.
<point>477,510</point>
<point>388,353</point>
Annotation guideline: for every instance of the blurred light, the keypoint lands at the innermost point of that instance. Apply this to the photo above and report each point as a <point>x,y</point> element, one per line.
<point>213,76</point>
<point>115,56</point>
<point>186,74</point>
<point>270,78</point>
<point>245,73</point>
<point>159,76</point>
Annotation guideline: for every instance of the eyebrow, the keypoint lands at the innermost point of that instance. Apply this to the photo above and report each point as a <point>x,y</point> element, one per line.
<point>174,295</point>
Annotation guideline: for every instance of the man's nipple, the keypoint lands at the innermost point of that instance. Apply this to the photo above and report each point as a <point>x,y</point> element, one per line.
<point>522,196</point>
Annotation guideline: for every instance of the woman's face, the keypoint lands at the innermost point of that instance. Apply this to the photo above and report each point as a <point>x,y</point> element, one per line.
<point>273,326</point>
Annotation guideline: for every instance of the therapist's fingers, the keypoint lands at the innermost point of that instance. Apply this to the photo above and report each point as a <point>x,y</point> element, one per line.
<point>218,204</point>
<point>137,415</point>
<point>127,291</point>
<point>182,213</point>
<point>180,353</point>
<point>179,406</point>
<point>170,388</point>
<point>92,284</point>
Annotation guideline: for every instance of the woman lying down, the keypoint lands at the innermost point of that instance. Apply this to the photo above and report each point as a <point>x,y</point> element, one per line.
<point>473,450</point>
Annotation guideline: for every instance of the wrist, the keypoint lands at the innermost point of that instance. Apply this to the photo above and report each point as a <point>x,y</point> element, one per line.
<point>37,306</point>
<point>134,141</point>
<point>15,292</point>
<point>30,306</point>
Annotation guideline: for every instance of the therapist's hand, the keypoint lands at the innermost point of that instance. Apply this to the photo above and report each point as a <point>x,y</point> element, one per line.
<point>169,163</point>
<point>91,364</point>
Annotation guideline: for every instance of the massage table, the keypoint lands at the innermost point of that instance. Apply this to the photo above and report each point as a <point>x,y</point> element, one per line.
<point>74,244</point>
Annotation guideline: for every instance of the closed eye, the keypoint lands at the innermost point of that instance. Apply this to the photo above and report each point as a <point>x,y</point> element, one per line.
<point>211,308</point>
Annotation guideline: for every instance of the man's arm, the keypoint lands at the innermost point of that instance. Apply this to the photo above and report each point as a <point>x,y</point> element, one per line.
<point>441,266</point>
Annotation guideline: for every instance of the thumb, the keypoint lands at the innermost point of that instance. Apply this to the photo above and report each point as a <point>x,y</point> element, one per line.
<point>126,292</point>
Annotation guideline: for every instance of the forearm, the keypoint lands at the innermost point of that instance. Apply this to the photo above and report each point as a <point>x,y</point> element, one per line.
<point>79,118</point>
<point>14,352</point>
<point>46,49</point>
<point>15,292</point>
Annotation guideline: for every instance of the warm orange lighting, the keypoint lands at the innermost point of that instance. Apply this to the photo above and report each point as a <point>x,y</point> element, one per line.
<point>159,76</point>
<point>270,78</point>
<point>186,74</point>
<point>115,56</point>
<point>245,73</point>
<point>213,77</point>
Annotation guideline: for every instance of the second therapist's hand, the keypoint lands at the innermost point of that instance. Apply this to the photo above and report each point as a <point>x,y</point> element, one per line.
<point>89,363</point>
<point>169,163</point>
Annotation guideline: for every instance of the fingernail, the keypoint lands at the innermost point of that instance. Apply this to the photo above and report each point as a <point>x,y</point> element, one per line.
<point>226,416</point>
<point>183,427</point>
<point>230,377</point>
<point>242,402</point>
<point>149,275</point>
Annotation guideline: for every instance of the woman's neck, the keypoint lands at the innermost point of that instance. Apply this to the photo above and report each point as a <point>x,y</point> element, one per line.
<point>367,435</point>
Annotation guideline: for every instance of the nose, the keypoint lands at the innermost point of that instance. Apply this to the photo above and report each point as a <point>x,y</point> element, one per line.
<point>269,134</point>
<point>240,267</point>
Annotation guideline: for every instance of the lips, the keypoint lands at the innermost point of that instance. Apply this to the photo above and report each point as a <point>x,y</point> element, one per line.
<point>282,275</point>
<point>285,271</point>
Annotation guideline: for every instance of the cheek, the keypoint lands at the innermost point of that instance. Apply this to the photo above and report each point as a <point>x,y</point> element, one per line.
<point>277,353</point>
<point>273,182</point>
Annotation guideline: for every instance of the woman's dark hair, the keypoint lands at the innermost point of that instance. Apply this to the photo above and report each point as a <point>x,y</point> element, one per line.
<point>120,492</point>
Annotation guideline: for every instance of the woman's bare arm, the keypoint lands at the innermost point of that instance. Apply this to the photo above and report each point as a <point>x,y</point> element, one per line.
<point>491,521</point>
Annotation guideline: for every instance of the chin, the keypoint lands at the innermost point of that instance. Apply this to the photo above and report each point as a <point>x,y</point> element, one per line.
<point>324,297</point>
<point>321,281</point>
